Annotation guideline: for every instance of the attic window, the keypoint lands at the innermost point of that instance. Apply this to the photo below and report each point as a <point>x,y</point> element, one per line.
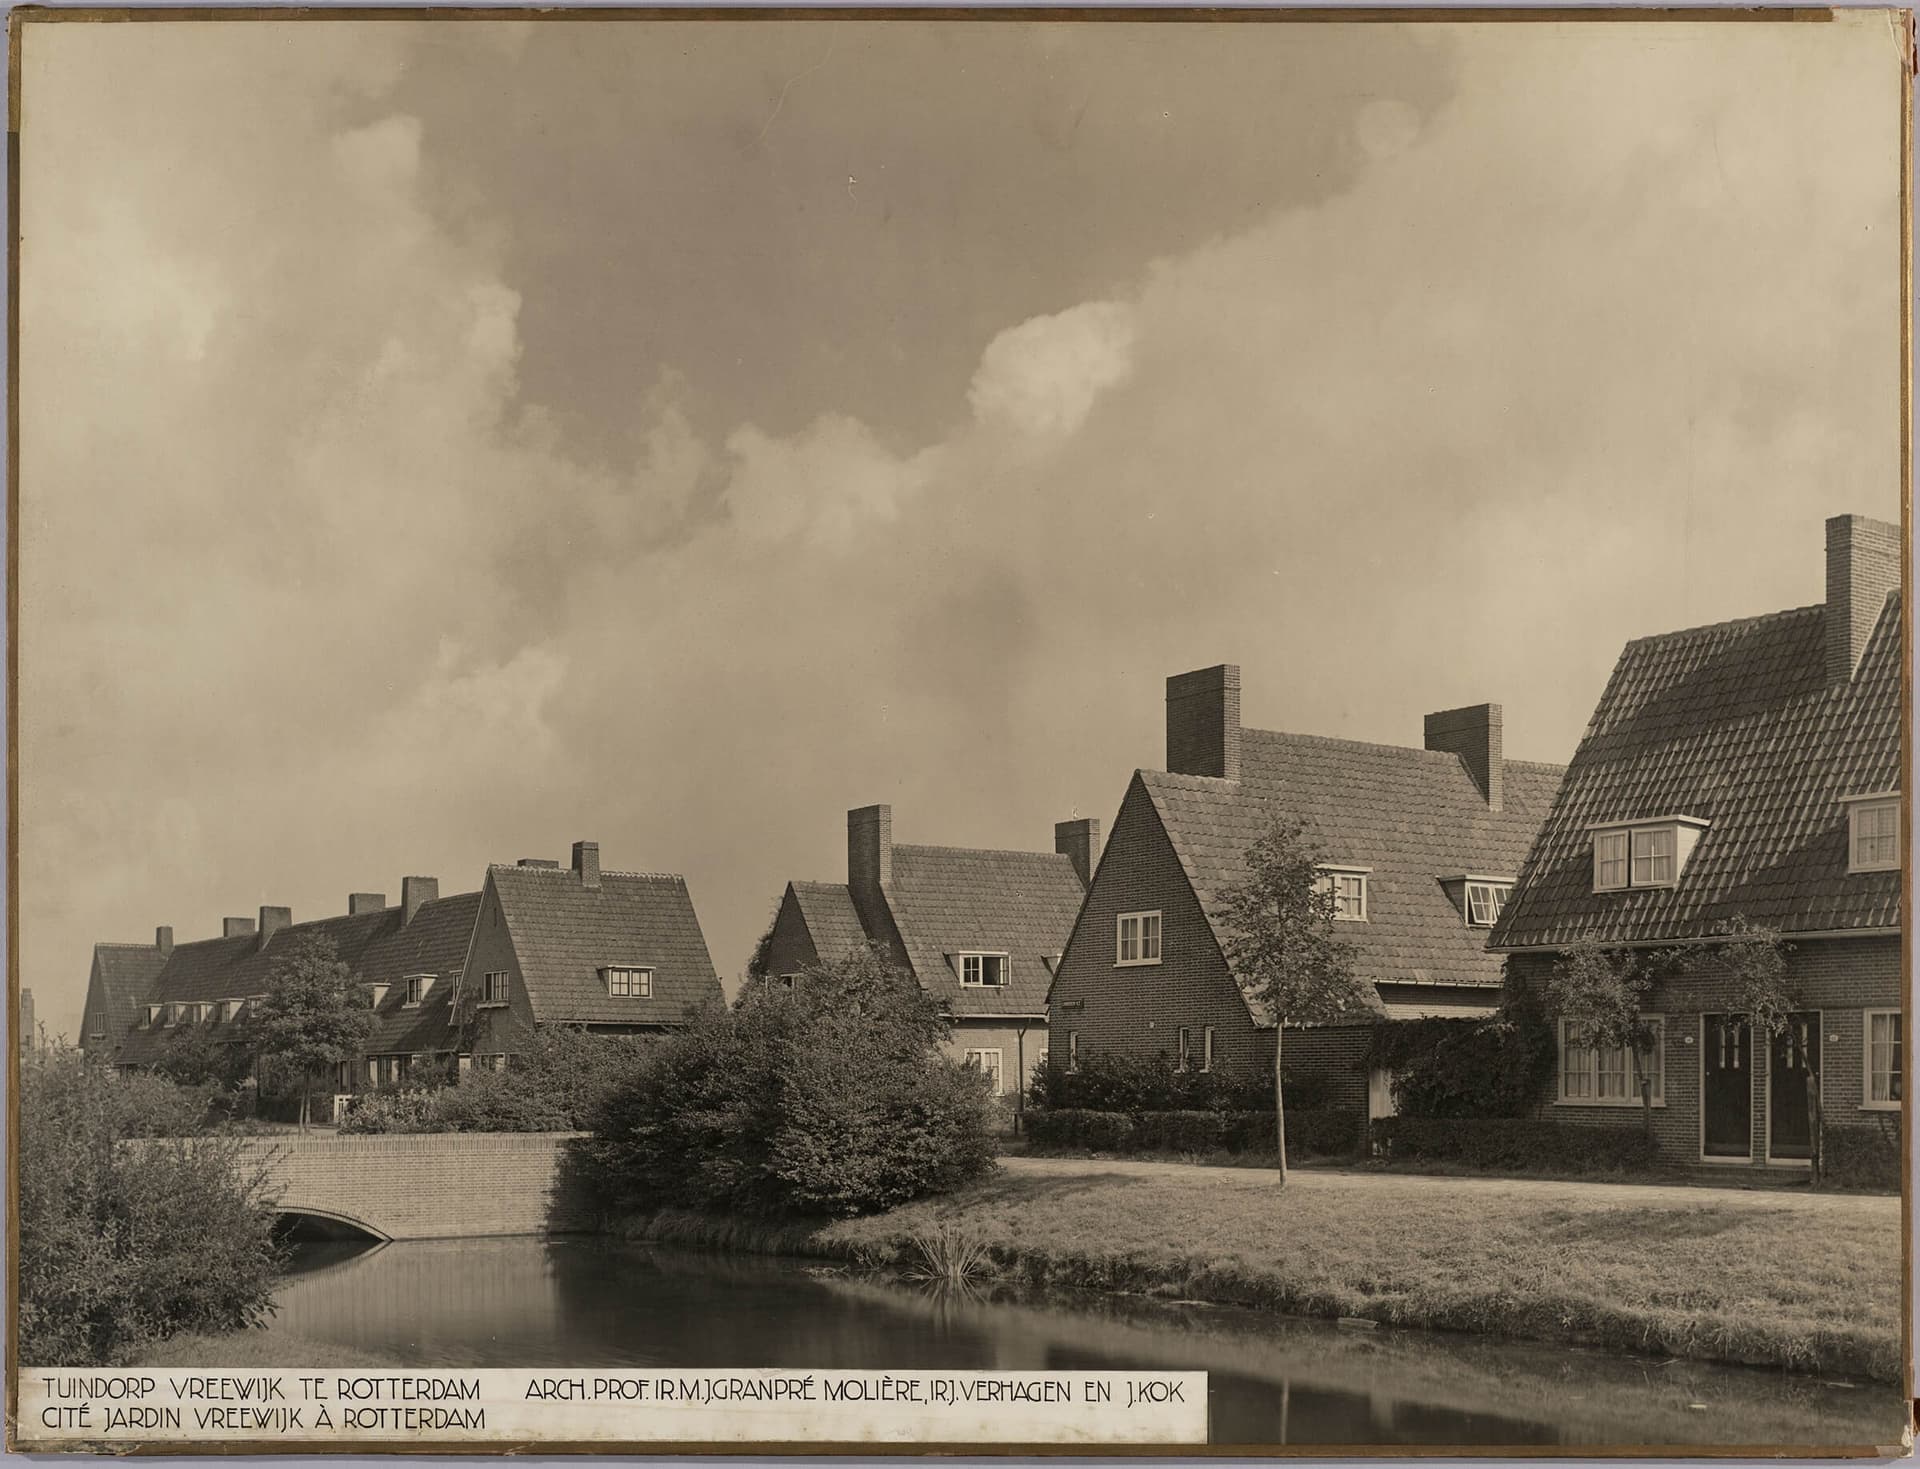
<point>1137,938</point>
<point>203,1013</point>
<point>154,1014</point>
<point>1873,832</point>
<point>626,982</point>
<point>97,1026</point>
<point>983,971</point>
<point>1484,902</point>
<point>1643,854</point>
<point>230,1009</point>
<point>418,987</point>
<point>1349,888</point>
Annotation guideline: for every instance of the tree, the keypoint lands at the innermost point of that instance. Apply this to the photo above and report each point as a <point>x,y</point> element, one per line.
<point>1598,993</point>
<point>314,1015</point>
<point>1277,926</point>
<point>1750,959</point>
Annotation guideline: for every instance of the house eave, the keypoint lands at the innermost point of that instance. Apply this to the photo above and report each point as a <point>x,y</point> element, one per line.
<point>1791,936</point>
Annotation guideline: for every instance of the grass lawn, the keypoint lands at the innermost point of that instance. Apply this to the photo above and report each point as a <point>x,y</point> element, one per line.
<point>254,1349</point>
<point>1808,1281</point>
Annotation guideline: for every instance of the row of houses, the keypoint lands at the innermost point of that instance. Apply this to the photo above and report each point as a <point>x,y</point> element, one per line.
<point>1747,770</point>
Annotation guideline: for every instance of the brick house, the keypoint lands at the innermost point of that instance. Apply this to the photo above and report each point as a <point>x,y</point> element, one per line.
<point>980,930</point>
<point>1421,847</point>
<point>1749,769</point>
<point>116,987</point>
<point>615,952</point>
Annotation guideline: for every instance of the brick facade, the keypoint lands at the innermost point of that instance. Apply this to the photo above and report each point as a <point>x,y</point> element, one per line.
<point>496,1029</point>
<point>1839,978</point>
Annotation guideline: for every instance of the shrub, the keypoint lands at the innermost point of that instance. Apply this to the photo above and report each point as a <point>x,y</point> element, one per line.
<point>1496,1067</point>
<point>1109,1081</point>
<point>1866,1157</point>
<point>1073,1127</point>
<point>1325,1133</point>
<point>557,1085</point>
<point>828,1098</point>
<point>1513,1144</point>
<point>127,1234</point>
<point>393,1111</point>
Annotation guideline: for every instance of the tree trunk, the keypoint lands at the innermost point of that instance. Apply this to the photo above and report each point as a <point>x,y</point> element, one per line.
<point>1279,1110</point>
<point>1814,1149</point>
<point>306,1100</point>
<point>1646,1110</point>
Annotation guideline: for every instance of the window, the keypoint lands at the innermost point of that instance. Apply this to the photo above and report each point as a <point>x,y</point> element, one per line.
<point>1885,1061</point>
<point>983,970</point>
<point>988,1062</point>
<point>491,1061</point>
<point>1206,1049</point>
<point>1643,854</point>
<point>1073,1050</point>
<point>493,988</point>
<point>203,1013</point>
<point>1137,940</point>
<point>1484,902</point>
<point>177,1014</point>
<point>624,982</point>
<point>1875,836</point>
<point>1652,857</point>
<point>1609,860</point>
<point>1349,889</point>
<point>154,1014</point>
<point>1606,1076</point>
<point>1186,1047</point>
<point>418,986</point>
<point>97,1025</point>
<point>230,1010</point>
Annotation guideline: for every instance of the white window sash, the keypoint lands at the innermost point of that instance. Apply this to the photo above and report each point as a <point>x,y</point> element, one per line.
<point>1882,1059</point>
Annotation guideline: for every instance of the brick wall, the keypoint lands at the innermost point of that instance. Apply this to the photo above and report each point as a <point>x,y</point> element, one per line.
<point>500,1030</point>
<point>429,1186</point>
<point>791,948</point>
<point>1840,978</point>
<point>1333,1052</point>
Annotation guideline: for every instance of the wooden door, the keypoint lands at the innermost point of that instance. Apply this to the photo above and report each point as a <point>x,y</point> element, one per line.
<point>1727,1086</point>
<point>1795,1056</point>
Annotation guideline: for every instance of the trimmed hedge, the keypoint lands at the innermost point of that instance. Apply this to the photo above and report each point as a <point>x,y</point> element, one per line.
<point>1110,1081</point>
<point>1513,1144</point>
<point>1862,1157</point>
<point>1325,1133</point>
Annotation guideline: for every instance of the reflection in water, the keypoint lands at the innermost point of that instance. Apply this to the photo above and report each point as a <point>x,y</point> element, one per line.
<point>589,1303</point>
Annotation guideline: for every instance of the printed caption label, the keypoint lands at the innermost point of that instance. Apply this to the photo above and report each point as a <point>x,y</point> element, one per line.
<point>62,1407</point>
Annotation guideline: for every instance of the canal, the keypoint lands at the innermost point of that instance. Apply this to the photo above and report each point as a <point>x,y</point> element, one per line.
<point>591,1302</point>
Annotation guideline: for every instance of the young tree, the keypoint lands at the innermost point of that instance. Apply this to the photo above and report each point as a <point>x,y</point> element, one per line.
<point>1278,931</point>
<point>314,1015</point>
<point>1751,959</point>
<point>1598,994</point>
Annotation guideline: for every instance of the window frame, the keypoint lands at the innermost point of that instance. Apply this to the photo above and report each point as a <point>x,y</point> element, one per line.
<point>1332,874</point>
<point>505,976</point>
<point>416,997</point>
<point>1183,1048</point>
<point>1624,861</point>
<point>1141,918</point>
<point>1898,1059</point>
<point>999,1061</point>
<point>1073,1050</point>
<point>1206,1048</point>
<point>1496,894</point>
<point>1880,801</point>
<point>1632,1097</point>
<point>979,958</point>
<point>156,1016</point>
<point>631,973</point>
<point>97,1026</point>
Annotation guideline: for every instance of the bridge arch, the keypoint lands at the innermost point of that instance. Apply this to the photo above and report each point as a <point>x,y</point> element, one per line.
<point>305,1222</point>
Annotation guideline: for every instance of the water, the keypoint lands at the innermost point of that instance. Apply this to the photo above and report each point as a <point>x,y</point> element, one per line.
<point>588,1302</point>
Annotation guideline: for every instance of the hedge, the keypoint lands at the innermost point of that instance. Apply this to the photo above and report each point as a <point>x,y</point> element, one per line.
<point>1513,1144</point>
<point>1861,1157</point>
<point>1326,1133</point>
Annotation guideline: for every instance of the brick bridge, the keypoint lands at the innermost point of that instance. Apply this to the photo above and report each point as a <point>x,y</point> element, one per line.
<point>426,1185</point>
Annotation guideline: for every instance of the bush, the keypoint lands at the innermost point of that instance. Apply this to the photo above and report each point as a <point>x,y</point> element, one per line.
<point>1496,1067</point>
<point>1074,1127</point>
<point>1323,1133</point>
<point>129,1231</point>
<point>1514,1144</point>
<point>1865,1157</point>
<point>557,1085</point>
<point>1109,1081</point>
<point>828,1098</point>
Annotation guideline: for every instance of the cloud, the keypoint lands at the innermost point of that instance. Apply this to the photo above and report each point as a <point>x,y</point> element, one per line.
<point>1043,376</point>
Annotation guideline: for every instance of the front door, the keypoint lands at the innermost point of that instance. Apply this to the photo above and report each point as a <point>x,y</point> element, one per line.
<point>1794,1059</point>
<point>1727,1086</point>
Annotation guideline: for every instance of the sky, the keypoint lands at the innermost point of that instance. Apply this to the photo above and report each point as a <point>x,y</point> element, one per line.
<point>443,442</point>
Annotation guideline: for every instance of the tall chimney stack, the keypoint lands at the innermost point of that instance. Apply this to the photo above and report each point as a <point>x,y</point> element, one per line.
<point>233,928</point>
<point>1863,567</point>
<point>869,848</point>
<point>413,892</point>
<point>1203,722</point>
<point>1080,842</point>
<point>163,941</point>
<point>272,920</point>
<point>1474,735</point>
<point>586,863</point>
<point>365,903</point>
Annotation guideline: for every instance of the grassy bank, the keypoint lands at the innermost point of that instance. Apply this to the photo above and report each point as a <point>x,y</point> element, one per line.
<point>255,1349</point>
<point>1809,1282</point>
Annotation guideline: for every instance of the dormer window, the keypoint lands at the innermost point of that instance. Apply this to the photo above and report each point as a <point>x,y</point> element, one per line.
<point>1349,888</point>
<point>983,971</point>
<point>202,1013</point>
<point>155,1014</point>
<point>628,982</point>
<point>1484,902</point>
<point>177,1014</point>
<point>1643,854</point>
<point>418,987</point>
<point>1873,832</point>
<point>230,1010</point>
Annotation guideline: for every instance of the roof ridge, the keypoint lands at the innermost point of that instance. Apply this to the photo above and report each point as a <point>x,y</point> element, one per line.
<point>114,944</point>
<point>980,851</point>
<point>569,872</point>
<point>1282,734</point>
<point>1707,627</point>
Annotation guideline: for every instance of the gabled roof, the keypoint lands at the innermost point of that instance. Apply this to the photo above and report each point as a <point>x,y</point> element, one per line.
<point>374,945</point>
<point>565,933</point>
<point>122,974</point>
<point>832,921</point>
<point>1413,817</point>
<point>1737,724</point>
<point>946,900</point>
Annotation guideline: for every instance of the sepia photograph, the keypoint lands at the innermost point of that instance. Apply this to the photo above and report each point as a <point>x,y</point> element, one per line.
<point>1072,732</point>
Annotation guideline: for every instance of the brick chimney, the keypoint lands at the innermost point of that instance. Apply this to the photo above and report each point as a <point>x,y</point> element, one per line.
<point>1863,566</point>
<point>365,903</point>
<point>272,920</point>
<point>869,848</point>
<point>233,928</point>
<point>586,863</point>
<point>1203,722</point>
<point>413,892</point>
<point>1079,841</point>
<point>163,941</point>
<point>1473,734</point>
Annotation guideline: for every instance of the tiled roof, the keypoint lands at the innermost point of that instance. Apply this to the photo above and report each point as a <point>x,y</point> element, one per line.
<point>375,945</point>
<point>1412,816</point>
<point>831,918</point>
<point>1738,725</point>
<point>948,899</point>
<point>564,933</point>
<point>122,974</point>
